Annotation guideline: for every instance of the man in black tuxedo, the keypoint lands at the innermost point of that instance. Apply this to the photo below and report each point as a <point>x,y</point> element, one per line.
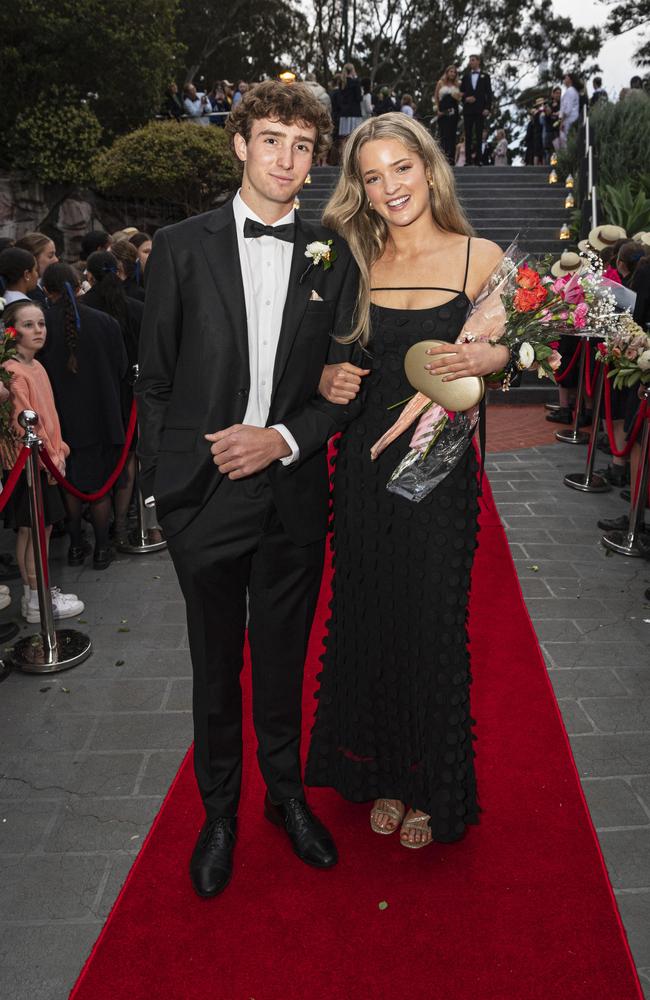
<point>476,89</point>
<point>238,325</point>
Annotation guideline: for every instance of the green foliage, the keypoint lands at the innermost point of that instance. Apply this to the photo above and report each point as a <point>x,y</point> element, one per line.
<point>241,39</point>
<point>625,207</point>
<point>622,139</point>
<point>55,141</point>
<point>184,163</point>
<point>118,55</point>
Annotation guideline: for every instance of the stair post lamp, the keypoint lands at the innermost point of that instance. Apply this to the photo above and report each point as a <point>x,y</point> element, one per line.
<point>287,76</point>
<point>552,177</point>
<point>569,181</point>
<point>565,232</point>
<point>569,201</point>
<point>554,160</point>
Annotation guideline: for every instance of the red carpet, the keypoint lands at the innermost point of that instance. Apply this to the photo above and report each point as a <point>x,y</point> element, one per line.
<point>520,909</point>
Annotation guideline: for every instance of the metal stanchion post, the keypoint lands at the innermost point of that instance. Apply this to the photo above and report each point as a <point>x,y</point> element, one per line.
<point>53,649</point>
<point>626,543</point>
<point>575,436</point>
<point>588,481</point>
<point>138,543</point>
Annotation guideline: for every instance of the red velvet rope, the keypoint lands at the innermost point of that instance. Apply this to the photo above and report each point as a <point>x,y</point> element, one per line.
<point>13,477</point>
<point>110,482</point>
<point>571,365</point>
<point>589,381</point>
<point>638,423</point>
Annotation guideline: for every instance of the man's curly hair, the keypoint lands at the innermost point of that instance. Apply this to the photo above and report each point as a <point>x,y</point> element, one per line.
<point>287,103</point>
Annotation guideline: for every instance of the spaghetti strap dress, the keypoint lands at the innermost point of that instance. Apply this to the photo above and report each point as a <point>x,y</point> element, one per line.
<point>393,708</point>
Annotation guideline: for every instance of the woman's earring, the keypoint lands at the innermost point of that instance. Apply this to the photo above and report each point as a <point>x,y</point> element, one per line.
<point>370,206</point>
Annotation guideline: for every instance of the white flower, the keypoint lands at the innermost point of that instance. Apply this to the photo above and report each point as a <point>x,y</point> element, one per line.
<point>526,355</point>
<point>644,361</point>
<point>318,251</point>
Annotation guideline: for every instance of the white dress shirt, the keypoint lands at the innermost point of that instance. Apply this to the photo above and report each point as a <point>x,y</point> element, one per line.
<point>569,107</point>
<point>10,296</point>
<point>475,75</point>
<point>265,266</point>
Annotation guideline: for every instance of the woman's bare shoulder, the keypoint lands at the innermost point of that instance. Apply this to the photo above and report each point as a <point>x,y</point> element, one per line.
<point>485,257</point>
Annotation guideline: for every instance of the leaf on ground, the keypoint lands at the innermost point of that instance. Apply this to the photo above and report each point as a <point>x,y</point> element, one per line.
<point>43,690</point>
<point>119,663</point>
<point>383,905</point>
<point>82,621</point>
<point>155,578</point>
<point>65,690</point>
<point>124,630</point>
<point>123,621</point>
<point>535,569</point>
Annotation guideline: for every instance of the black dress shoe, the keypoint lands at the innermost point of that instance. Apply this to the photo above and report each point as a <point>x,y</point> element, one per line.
<point>563,415</point>
<point>7,632</point>
<point>103,558</point>
<point>613,474</point>
<point>211,861</point>
<point>77,554</point>
<point>310,840</point>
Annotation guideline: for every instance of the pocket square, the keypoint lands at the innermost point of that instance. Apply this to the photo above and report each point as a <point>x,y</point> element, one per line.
<point>314,297</point>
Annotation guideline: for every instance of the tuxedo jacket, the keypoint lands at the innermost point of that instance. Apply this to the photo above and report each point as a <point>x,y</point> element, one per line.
<point>194,368</point>
<point>483,94</point>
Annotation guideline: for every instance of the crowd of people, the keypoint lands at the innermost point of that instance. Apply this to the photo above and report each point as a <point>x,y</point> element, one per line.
<point>626,262</point>
<point>462,116</point>
<point>74,332</point>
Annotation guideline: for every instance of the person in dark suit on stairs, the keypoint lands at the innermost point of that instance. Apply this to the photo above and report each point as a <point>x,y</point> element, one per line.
<point>243,307</point>
<point>476,89</point>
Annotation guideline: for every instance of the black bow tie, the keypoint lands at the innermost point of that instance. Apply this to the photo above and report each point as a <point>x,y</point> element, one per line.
<point>253,229</point>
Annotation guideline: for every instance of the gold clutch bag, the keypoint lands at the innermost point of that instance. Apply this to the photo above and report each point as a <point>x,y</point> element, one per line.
<point>461,394</point>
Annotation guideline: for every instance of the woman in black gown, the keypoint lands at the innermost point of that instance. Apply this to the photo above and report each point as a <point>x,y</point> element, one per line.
<point>393,721</point>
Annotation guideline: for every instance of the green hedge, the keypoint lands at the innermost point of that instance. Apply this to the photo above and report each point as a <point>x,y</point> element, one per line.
<point>56,140</point>
<point>180,162</point>
<point>622,139</point>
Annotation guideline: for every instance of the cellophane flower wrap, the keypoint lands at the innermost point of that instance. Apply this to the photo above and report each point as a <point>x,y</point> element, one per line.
<point>626,352</point>
<point>521,306</point>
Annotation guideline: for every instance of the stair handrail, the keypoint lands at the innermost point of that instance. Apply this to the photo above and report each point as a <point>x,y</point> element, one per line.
<point>588,168</point>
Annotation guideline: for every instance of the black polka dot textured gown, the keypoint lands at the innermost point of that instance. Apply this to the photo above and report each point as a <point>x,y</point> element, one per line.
<point>393,713</point>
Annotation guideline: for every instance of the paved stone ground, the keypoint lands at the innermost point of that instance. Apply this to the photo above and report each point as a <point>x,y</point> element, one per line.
<point>87,756</point>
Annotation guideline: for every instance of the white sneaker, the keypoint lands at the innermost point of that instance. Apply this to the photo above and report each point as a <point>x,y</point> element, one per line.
<point>5,601</point>
<point>63,606</point>
<point>54,591</point>
<point>4,589</point>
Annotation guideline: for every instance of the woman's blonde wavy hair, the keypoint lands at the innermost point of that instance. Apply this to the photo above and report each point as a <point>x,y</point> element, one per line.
<point>348,212</point>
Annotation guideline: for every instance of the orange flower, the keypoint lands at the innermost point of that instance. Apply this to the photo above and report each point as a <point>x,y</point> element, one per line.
<point>527,300</point>
<point>527,278</point>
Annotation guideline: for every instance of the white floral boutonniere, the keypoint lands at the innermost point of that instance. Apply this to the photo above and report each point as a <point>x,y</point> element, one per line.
<point>318,253</point>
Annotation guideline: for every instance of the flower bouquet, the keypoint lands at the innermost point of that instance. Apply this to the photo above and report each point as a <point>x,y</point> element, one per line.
<point>523,307</point>
<point>626,351</point>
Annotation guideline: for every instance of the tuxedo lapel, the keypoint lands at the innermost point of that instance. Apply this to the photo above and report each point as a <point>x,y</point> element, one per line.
<point>298,294</point>
<point>222,255</point>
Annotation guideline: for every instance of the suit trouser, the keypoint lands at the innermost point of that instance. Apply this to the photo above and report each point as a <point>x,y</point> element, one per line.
<point>237,545</point>
<point>473,136</point>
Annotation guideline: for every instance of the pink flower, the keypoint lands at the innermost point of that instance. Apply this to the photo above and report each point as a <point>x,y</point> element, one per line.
<point>555,360</point>
<point>580,315</point>
<point>631,354</point>
<point>559,283</point>
<point>564,315</point>
<point>574,293</point>
<point>546,316</point>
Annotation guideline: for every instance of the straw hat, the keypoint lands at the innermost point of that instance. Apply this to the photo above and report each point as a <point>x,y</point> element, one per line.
<point>584,246</point>
<point>568,263</point>
<point>606,236</point>
<point>643,238</point>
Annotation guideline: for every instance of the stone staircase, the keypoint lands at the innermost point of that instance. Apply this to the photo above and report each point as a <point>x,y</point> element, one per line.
<point>503,204</point>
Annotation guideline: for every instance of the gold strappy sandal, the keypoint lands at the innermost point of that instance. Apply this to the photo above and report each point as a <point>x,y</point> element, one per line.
<point>393,812</point>
<point>416,823</point>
